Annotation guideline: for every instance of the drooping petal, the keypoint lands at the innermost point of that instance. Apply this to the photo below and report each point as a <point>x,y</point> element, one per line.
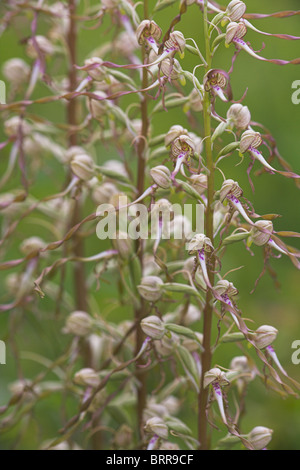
<point>273,355</point>
<point>202,261</point>
<point>247,48</point>
<point>219,398</point>
<point>281,36</point>
<point>239,207</point>
<point>179,162</point>
<point>218,91</point>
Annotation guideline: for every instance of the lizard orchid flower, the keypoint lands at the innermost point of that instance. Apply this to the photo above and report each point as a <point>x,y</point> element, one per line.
<point>226,290</point>
<point>182,148</point>
<point>217,379</point>
<point>231,191</point>
<point>202,247</point>
<point>217,82</point>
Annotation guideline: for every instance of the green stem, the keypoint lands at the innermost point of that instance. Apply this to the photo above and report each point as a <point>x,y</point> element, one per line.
<point>208,310</point>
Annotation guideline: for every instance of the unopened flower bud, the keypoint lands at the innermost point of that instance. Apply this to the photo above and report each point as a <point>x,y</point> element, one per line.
<point>171,69</point>
<point>87,377</point>
<point>215,375</point>
<point>16,71</point>
<point>224,287</point>
<point>235,31</point>
<point>151,288</point>
<point>239,115</point>
<point>79,324</point>
<point>161,175</point>
<point>123,244</point>
<point>16,124</point>
<point>230,188</point>
<point>199,182</point>
<point>153,326</point>
<point>261,232</point>
<point>103,193</point>
<point>146,30</point>
<point>264,336</point>
<point>157,426</point>
<point>98,73</point>
<point>82,166</point>
<point>44,45</point>
<point>200,242</point>
<point>196,101</point>
<point>32,245</point>
<point>174,132</point>
<point>260,437</point>
<point>98,107</point>
<point>176,40</point>
<point>235,10</point>
<point>250,139</point>
<point>183,144</point>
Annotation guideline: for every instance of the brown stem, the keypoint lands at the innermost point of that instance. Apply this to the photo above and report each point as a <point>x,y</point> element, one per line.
<point>208,310</point>
<point>141,147</point>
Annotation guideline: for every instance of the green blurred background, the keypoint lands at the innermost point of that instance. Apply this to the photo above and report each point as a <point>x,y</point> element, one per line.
<point>269,99</point>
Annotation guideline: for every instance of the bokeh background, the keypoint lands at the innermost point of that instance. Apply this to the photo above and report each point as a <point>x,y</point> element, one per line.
<point>269,99</point>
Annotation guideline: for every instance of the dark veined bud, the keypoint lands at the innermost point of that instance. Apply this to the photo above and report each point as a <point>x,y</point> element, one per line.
<point>235,10</point>
<point>260,437</point>
<point>148,29</point>
<point>230,188</point>
<point>261,232</point>
<point>224,287</point>
<point>215,375</point>
<point>264,336</point>
<point>174,132</point>
<point>171,69</point>
<point>153,326</point>
<point>161,175</point>
<point>151,288</point>
<point>249,140</point>
<point>176,41</point>
<point>183,144</point>
<point>198,243</point>
<point>235,31</point>
<point>239,115</point>
<point>157,426</point>
<point>99,73</point>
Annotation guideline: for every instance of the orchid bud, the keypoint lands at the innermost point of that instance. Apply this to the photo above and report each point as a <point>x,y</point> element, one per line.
<point>230,188</point>
<point>235,10</point>
<point>182,144</point>
<point>44,45</point>
<point>154,409</point>
<point>196,101</point>
<point>151,288</point>
<point>79,324</point>
<point>249,140</point>
<point>98,107</point>
<point>199,182</point>
<point>224,287</point>
<point>153,326</point>
<point>215,81</point>
<point>171,69</point>
<point>32,245</point>
<point>239,115</point>
<point>82,166</point>
<point>123,437</point>
<point>235,31</point>
<point>161,175</point>
<point>13,126</point>
<point>174,132</point>
<point>148,29</point>
<point>103,193</point>
<point>260,437</point>
<point>264,336</point>
<point>98,73</point>
<point>215,375</point>
<point>123,244</point>
<point>87,377</point>
<point>198,243</point>
<point>261,232</point>
<point>177,41</point>
<point>16,71</point>
<point>72,152</point>
<point>157,426</point>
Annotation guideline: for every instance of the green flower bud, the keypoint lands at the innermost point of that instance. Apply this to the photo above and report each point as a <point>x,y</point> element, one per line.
<point>79,324</point>
<point>153,326</point>
<point>87,377</point>
<point>151,288</point>
<point>264,336</point>
<point>157,426</point>
<point>260,437</point>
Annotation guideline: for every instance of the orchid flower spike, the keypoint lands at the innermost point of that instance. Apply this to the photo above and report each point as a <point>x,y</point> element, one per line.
<point>250,140</point>
<point>201,246</point>
<point>217,82</point>
<point>217,379</point>
<point>227,291</point>
<point>231,191</point>
<point>182,148</point>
